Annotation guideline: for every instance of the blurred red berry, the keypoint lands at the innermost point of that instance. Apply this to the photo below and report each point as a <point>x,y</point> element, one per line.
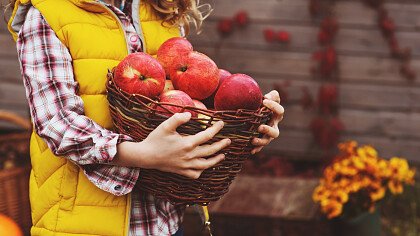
<point>336,124</point>
<point>328,98</point>
<point>394,47</point>
<point>269,35</point>
<point>324,38</point>
<point>242,18</point>
<point>330,26</point>
<point>225,27</point>
<point>387,25</point>
<point>314,7</point>
<point>407,72</point>
<point>306,101</point>
<point>283,36</point>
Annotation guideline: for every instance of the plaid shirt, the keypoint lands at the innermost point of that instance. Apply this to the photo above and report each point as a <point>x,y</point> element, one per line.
<point>58,116</point>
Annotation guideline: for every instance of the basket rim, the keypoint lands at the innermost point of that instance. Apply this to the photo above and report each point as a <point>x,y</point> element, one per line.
<point>211,112</point>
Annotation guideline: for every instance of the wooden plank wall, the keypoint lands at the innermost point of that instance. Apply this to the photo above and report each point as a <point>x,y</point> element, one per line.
<point>378,106</point>
<point>12,92</point>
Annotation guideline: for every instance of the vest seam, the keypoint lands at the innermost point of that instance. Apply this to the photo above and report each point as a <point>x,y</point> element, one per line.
<point>60,199</point>
<point>39,186</point>
<point>40,218</point>
<point>70,233</point>
<point>85,23</point>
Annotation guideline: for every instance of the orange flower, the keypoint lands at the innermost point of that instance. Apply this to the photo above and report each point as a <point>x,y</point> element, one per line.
<point>331,208</point>
<point>360,170</point>
<point>367,151</point>
<point>376,192</point>
<point>320,193</point>
<point>341,196</point>
<point>395,187</point>
<point>347,147</point>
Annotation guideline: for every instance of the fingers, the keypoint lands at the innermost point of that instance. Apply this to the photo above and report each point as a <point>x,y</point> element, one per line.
<point>203,163</point>
<point>207,134</point>
<point>198,165</point>
<point>275,107</point>
<point>208,150</point>
<point>273,96</point>
<point>257,149</point>
<point>261,141</point>
<point>175,121</point>
<point>270,131</point>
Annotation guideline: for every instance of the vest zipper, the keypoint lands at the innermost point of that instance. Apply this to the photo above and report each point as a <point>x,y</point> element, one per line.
<point>119,23</point>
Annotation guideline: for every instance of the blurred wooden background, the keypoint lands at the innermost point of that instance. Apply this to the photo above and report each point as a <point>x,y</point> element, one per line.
<point>12,92</point>
<point>377,105</point>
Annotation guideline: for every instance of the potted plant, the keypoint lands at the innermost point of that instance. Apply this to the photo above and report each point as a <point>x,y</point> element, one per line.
<point>353,185</point>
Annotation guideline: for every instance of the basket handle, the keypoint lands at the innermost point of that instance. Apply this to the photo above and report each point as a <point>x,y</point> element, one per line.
<point>15,119</point>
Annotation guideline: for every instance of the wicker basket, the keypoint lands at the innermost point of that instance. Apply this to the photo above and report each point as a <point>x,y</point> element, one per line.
<point>136,116</point>
<point>14,181</point>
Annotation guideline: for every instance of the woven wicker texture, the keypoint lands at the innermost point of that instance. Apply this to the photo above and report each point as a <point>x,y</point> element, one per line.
<point>137,116</point>
<point>14,181</point>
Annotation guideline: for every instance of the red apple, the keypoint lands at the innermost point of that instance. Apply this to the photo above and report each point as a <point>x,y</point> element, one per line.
<point>223,74</point>
<point>171,49</point>
<point>140,73</point>
<point>239,91</point>
<point>175,97</point>
<point>199,104</point>
<point>196,74</point>
<point>168,86</point>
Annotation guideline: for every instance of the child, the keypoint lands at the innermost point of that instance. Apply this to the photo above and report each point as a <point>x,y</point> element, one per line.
<point>83,178</point>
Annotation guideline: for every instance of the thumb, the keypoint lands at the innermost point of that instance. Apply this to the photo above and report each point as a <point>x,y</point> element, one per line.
<point>175,121</point>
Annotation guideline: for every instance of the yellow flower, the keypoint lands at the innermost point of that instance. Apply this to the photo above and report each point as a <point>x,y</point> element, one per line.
<point>367,151</point>
<point>358,163</point>
<point>341,196</point>
<point>376,192</point>
<point>395,187</point>
<point>347,147</point>
<point>354,187</point>
<point>331,208</point>
<point>320,193</point>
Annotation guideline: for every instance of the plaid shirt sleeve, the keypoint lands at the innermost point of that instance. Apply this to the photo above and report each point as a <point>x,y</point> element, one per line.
<point>58,112</point>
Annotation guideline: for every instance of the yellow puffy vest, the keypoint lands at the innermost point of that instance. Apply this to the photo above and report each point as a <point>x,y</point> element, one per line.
<point>63,200</point>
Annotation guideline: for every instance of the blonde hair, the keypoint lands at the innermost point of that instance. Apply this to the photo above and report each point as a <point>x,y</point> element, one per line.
<point>182,13</point>
<point>179,13</point>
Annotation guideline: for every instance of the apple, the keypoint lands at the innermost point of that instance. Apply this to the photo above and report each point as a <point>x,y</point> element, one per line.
<point>223,74</point>
<point>199,104</point>
<point>140,73</point>
<point>168,86</point>
<point>239,91</point>
<point>171,49</point>
<point>195,74</point>
<point>175,97</point>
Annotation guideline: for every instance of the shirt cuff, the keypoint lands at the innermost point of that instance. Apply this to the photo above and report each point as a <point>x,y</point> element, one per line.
<point>107,150</point>
<point>116,180</point>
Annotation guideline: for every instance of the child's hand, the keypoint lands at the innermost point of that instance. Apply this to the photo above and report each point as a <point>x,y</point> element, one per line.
<point>166,150</point>
<point>270,131</point>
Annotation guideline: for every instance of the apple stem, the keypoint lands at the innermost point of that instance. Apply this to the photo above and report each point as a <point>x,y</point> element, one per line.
<point>184,68</point>
<point>142,77</point>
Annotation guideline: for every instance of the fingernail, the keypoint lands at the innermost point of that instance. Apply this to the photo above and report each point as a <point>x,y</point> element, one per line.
<point>228,141</point>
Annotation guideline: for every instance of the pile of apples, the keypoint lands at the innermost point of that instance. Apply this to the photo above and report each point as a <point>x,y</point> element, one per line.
<point>186,78</point>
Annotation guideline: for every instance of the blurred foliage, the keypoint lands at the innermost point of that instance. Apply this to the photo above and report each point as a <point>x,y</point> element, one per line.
<point>401,213</point>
